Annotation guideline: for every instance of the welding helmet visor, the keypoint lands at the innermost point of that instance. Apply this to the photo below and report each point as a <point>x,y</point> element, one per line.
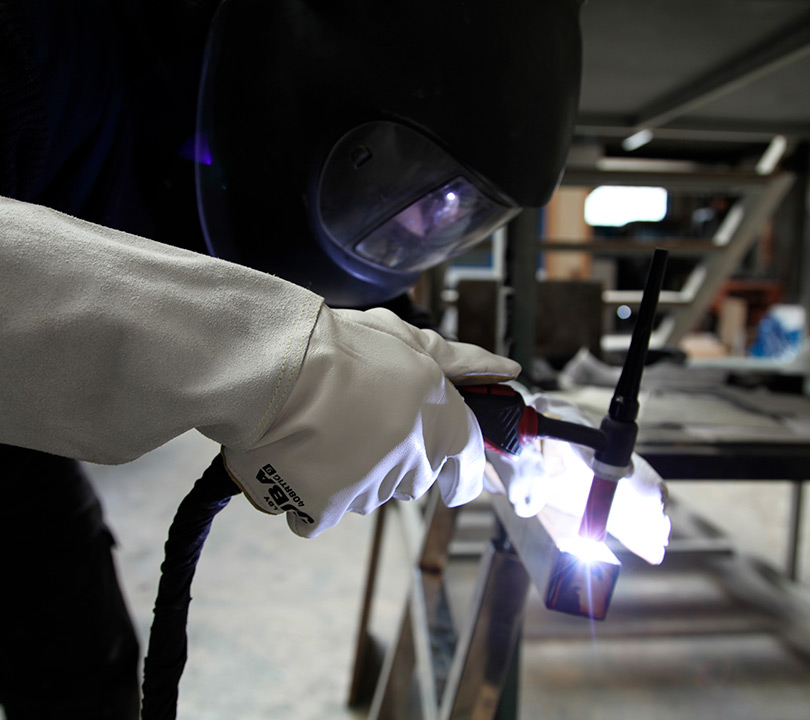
<point>390,198</point>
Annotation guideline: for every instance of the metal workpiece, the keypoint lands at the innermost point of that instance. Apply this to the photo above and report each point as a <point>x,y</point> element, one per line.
<point>579,586</point>
<point>576,576</point>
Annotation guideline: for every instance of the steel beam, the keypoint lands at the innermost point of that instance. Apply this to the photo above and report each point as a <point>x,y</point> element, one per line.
<point>785,48</point>
<point>757,209</point>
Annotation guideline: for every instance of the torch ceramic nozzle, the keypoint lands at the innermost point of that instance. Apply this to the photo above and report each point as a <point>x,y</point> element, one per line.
<point>597,509</point>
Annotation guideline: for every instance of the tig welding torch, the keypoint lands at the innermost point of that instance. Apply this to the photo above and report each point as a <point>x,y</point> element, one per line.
<point>508,424</point>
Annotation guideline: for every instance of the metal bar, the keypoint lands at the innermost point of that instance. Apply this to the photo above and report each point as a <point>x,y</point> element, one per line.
<point>784,48</point>
<point>700,623</point>
<point>727,461</point>
<point>440,522</point>
<point>509,706</point>
<point>669,298</point>
<point>420,622</point>
<point>702,130</point>
<point>795,529</point>
<point>443,637</point>
<point>521,238</point>
<point>676,247</point>
<point>705,180</point>
<point>487,643</point>
<point>394,685</point>
<point>416,646</point>
<point>716,268</point>
<point>688,549</point>
<point>363,675</point>
<point>412,525</point>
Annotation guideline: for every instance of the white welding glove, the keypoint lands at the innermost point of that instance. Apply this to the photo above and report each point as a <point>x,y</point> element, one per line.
<point>373,415</point>
<point>558,474</point>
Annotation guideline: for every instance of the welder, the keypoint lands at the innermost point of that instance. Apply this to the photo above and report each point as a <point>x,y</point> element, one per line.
<point>210,212</point>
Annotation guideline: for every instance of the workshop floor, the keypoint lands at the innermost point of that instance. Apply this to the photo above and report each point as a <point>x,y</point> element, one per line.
<point>273,621</point>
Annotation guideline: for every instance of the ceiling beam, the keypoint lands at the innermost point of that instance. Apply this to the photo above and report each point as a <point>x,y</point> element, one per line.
<point>781,50</point>
<point>700,181</point>
<point>709,130</point>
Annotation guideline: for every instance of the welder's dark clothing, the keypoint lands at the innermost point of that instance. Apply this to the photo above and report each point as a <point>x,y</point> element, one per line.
<point>97,106</point>
<point>97,120</point>
<point>67,646</point>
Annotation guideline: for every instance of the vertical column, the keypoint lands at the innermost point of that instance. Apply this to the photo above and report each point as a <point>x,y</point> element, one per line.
<point>521,265</point>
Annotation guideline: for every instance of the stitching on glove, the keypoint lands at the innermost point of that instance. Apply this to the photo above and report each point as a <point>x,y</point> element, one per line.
<point>276,400</point>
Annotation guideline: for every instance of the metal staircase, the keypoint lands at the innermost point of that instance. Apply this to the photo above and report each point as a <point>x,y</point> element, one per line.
<point>759,197</point>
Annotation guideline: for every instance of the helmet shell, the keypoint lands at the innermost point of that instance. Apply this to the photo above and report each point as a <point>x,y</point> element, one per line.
<point>495,85</point>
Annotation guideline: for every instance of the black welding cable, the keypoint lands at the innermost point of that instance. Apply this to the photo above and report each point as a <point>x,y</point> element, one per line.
<point>166,656</point>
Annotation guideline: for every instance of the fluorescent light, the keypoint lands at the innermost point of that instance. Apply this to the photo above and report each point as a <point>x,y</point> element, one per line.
<point>637,140</point>
<point>772,155</point>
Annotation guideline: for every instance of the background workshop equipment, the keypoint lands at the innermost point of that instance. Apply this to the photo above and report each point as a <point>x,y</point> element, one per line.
<point>707,101</point>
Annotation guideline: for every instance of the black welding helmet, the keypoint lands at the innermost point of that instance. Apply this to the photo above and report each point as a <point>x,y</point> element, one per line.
<point>347,145</point>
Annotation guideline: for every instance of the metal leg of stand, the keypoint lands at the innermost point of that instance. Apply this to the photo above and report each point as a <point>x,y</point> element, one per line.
<point>424,638</point>
<point>431,673</point>
<point>366,670</point>
<point>487,648</point>
<point>795,529</point>
<point>509,707</point>
<point>395,680</point>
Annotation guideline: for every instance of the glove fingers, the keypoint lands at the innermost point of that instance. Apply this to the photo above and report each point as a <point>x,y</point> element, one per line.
<point>461,477</point>
<point>461,362</point>
<point>524,478</point>
<point>467,364</point>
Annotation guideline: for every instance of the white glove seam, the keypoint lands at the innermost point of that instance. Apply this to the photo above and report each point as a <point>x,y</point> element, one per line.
<point>276,401</point>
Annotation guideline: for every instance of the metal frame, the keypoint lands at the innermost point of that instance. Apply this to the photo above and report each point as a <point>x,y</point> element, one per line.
<point>431,670</point>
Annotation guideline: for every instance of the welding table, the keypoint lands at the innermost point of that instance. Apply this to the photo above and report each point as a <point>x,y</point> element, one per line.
<point>470,672</point>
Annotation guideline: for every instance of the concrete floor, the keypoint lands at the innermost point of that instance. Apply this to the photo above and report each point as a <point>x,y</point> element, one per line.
<point>680,641</point>
<point>274,617</point>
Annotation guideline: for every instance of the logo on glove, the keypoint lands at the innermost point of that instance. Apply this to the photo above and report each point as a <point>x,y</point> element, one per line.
<point>281,494</point>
